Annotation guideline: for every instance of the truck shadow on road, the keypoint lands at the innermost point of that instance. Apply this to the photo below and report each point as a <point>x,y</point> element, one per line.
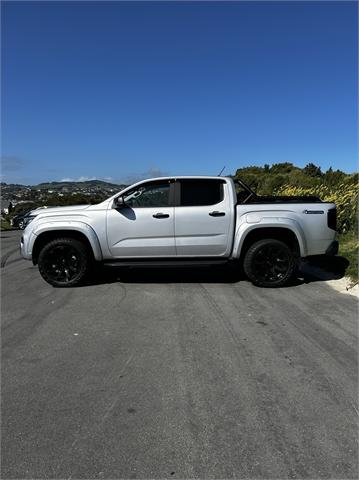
<point>311,270</point>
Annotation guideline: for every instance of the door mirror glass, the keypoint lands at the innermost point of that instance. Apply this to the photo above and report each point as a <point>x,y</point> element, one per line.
<point>119,202</point>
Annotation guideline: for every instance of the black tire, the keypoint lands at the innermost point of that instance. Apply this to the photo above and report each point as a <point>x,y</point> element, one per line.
<point>64,262</point>
<point>269,263</point>
<point>21,225</point>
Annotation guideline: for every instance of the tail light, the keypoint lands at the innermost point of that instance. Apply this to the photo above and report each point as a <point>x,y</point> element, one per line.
<point>332,218</point>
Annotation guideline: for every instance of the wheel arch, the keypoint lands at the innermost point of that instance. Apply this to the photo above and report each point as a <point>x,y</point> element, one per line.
<point>282,233</point>
<point>89,239</point>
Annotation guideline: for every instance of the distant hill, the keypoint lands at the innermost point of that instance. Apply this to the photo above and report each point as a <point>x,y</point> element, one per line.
<point>95,187</point>
<point>71,185</point>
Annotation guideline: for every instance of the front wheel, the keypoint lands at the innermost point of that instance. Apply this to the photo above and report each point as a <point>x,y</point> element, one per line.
<point>269,263</point>
<point>64,262</point>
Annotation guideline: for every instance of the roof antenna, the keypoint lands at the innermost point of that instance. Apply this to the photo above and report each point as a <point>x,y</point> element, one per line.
<point>220,173</point>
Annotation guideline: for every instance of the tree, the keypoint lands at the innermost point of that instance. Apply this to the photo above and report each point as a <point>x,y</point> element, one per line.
<point>285,167</point>
<point>332,177</point>
<point>312,170</point>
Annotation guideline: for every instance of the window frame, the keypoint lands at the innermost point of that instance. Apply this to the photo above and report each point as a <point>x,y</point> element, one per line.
<point>177,194</point>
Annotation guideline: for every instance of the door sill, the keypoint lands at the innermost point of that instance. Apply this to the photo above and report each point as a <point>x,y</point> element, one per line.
<point>166,262</point>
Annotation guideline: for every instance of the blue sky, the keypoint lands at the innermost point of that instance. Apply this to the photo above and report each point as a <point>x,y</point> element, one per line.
<point>123,90</point>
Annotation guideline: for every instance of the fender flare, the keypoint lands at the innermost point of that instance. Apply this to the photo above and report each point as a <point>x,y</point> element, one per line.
<point>75,226</point>
<point>269,222</point>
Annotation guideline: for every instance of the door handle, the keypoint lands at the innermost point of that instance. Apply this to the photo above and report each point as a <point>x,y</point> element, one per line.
<point>217,214</point>
<point>160,215</point>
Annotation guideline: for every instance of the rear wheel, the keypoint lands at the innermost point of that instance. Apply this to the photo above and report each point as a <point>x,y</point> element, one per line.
<point>64,262</point>
<point>269,263</point>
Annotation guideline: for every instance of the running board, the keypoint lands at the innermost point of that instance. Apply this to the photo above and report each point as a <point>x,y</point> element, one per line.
<point>166,262</point>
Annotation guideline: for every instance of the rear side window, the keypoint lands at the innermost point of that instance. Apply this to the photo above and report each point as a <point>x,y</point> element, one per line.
<point>200,192</point>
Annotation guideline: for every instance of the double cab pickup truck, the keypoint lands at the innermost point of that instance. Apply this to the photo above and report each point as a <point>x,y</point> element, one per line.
<point>182,221</point>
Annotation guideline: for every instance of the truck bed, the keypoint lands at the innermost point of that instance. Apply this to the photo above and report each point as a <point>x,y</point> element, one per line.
<point>260,199</point>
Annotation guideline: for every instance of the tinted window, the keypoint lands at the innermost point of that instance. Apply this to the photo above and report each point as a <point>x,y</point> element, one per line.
<point>201,192</point>
<point>150,195</point>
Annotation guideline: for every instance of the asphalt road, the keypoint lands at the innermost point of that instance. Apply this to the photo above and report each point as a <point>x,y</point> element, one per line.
<point>185,374</point>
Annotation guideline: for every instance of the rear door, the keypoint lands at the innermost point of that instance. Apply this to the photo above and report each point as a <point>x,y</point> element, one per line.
<point>144,227</point>
<point>202,218</point>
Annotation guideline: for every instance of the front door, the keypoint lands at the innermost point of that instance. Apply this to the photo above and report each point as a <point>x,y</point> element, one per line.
<point>144,226</point>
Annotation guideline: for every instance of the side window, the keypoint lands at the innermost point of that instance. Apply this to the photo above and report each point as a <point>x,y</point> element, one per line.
<point>201,192</point>
<point>150,195</point>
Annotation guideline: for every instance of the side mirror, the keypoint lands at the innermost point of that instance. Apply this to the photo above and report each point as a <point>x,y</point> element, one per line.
<point>119,202</point>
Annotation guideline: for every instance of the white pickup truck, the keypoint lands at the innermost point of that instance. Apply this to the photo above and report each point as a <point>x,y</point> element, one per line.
<point>182,220</point>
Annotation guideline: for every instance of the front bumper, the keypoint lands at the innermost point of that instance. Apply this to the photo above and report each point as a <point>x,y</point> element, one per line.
<point>333,248</point>
<point>24,247</point>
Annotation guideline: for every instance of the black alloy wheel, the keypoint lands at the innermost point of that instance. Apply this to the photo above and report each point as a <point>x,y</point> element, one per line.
<point>269,263</point>
<point>64,262</point>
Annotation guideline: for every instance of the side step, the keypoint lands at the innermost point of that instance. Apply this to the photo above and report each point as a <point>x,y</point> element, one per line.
<point>151,263</point>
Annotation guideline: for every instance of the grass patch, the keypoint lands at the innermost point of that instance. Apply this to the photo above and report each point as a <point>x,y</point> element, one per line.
<point>349,249</point>
<point>5,225</point>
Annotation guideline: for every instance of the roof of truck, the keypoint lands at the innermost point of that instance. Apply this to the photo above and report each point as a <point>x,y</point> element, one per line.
<point>190,177</point>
